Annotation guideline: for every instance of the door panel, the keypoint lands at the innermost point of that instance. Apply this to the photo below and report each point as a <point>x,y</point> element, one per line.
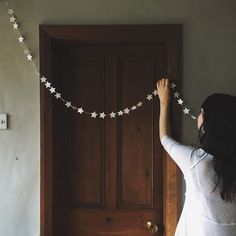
<point>86,154</point>
<point>135,138</point>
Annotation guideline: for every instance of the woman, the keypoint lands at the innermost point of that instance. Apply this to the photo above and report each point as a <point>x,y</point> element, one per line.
<point>209,171</point>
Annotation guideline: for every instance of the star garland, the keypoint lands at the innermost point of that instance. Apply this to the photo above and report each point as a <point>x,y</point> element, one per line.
<point>68,104</point>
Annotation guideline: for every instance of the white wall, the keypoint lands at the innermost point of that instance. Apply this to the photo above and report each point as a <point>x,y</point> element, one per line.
<point>209,66</point>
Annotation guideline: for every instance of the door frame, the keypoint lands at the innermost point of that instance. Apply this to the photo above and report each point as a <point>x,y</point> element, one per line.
<point>171,35</point>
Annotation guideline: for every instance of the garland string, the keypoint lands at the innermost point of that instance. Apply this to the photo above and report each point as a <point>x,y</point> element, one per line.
<point>54,92</point>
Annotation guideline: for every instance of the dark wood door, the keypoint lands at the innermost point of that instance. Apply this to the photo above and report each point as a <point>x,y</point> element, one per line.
<point>106,174</point>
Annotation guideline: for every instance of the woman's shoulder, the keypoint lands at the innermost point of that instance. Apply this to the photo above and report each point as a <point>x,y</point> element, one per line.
<point>200,156</point>
<point>200,153</point>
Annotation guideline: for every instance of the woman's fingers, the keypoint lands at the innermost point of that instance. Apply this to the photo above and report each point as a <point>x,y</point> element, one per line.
<point>163,82</point>
<point>163,90</point>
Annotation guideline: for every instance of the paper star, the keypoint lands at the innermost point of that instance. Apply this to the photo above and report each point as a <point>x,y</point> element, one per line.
<point>112,114</point>
<point>57,95</point>
<point>68,104</point>
<point>12,19</point>
<point>172,85</point>
<point>15,26</point>
<point>52,90</point>
<point>126,110</point>
<point>133,108</point>
<point>139,104</point>
<point>29,57</point>
<point>180,101</point>
<point>43,79</point>
<point>10,11</point>
<point>194,117</point>
<point>94,114</point>
<point>186,110</point>
<point>176,95</point>
<point>149,97</point>
<point>102,115</point>
<point>80,110</point>
<point>21,39</point>
<point>120,113</point>
<point>48,85</point>
<point>155,93</point>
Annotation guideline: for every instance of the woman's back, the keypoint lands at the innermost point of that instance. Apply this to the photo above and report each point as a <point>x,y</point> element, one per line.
<point>204,212</point>
<point>212,205</point>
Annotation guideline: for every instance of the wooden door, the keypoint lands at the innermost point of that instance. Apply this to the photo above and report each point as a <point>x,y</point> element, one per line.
<point>106,175</point>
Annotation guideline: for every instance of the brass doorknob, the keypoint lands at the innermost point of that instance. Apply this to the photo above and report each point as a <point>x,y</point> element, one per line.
<point>152,226</point>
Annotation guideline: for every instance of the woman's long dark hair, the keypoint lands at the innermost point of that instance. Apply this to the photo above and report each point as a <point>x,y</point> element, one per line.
<point>217,136</point>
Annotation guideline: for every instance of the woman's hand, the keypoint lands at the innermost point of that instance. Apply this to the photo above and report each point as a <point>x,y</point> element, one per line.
<point>163,91</point>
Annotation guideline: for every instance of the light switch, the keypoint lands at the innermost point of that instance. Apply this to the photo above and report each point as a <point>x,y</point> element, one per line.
<point>3,121</point>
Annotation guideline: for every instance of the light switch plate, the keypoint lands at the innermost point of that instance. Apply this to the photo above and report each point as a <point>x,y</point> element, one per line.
<point>3,121</point>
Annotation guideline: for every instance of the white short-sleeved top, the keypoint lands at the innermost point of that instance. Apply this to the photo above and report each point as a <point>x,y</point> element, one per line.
<point>204,212</point>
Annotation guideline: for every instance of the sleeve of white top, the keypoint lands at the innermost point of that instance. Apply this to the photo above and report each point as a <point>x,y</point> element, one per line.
<point>181,154</point>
